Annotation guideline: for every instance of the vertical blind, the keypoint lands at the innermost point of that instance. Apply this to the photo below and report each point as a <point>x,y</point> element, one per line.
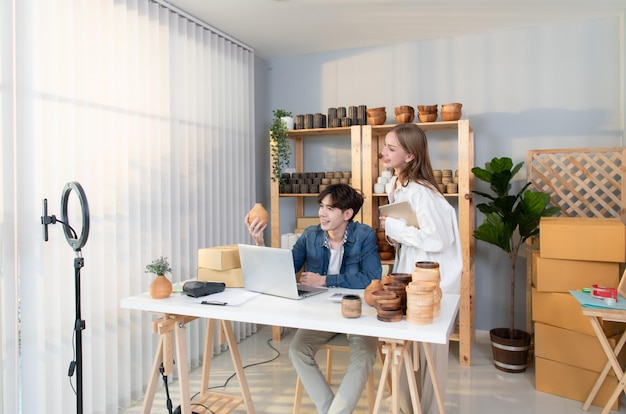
<point>152,113</point>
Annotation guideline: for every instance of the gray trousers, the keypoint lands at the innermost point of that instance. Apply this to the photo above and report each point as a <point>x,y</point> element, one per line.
<point>302,350</point>
<point>425,388</point>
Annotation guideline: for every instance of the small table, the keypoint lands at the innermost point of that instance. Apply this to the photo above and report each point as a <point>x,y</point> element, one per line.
<point>595,316</point>
<point>315,312</point>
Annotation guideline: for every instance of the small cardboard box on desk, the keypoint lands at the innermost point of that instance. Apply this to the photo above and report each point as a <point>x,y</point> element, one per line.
<point>220,264</point>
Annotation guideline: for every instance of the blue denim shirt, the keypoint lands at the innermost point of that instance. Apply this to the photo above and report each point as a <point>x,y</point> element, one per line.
<point>359,266</point>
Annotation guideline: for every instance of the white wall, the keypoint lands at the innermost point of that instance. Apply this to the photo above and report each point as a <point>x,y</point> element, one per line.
<point>549,87</point>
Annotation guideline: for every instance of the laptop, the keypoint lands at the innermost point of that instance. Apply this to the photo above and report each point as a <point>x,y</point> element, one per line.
<point>270,270</point>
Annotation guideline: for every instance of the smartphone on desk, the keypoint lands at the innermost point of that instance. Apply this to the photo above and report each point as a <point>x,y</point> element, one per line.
<point>336,297</point>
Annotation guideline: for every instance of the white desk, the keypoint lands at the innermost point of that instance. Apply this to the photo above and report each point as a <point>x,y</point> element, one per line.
<point>315,313</point>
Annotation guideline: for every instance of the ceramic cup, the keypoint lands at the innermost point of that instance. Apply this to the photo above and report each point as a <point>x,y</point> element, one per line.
<point>379,188</point>
<point>351,306</point>
<point>388,188</point>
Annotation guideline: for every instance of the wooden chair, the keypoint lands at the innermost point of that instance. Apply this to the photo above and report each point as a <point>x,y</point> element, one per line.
<point>339,344</point>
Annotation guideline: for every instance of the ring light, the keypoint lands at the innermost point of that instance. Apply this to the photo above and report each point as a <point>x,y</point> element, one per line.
<point>76,244</point>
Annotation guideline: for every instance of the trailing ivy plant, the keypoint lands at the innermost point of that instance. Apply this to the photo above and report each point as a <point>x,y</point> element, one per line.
<point>279,146</point>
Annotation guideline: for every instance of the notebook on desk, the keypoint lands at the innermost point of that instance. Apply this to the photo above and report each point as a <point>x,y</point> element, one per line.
<point>270,271</point>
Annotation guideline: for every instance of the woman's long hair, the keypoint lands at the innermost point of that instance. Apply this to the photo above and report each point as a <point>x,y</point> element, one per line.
<point>413,140</point>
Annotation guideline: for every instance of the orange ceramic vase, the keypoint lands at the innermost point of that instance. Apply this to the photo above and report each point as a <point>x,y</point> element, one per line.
<point>258,211</point>
<point>161,287</point>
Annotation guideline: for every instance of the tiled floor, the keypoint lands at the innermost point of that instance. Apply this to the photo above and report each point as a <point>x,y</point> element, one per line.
<point>479,389</point>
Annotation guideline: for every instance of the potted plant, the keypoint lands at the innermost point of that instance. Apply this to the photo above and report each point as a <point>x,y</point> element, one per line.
<point>510,219</point>
<point>280,149</point>
<point>161,287</point>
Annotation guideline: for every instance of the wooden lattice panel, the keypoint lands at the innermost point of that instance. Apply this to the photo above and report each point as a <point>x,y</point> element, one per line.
<point>583,182</point>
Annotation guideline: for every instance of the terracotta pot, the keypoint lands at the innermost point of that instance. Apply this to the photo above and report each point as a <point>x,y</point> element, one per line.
<point>161,287</point>
<point>374,286</point>
<point>258,211</point>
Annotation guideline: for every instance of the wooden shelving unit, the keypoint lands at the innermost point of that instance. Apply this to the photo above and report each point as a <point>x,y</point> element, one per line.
<point>298,136</point>
<point>366,142</point>
<point>373,138</point>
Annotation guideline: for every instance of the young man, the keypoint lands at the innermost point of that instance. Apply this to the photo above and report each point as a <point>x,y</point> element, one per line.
<point>343,253</point>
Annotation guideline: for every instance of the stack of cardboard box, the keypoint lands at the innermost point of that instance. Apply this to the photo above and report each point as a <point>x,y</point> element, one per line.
<point>573,253</point>
<point>220,264</point>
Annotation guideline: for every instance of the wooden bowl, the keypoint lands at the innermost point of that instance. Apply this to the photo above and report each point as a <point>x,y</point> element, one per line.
<point>385,255</point>
<point>373,110</point>
<point>376,119</point>
<point>425,117</point>
<point>404,118</point>
<point>404,109</point>
<point>427,108</point>
<point>383,294</point>
<point>450,116</point>
<point>388,304</point>
<point>389,316</point>
<point>402,277</point>
<point>451,107</point>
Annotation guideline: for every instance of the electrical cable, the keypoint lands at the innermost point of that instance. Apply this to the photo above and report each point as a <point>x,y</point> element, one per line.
<point>167,389</point>
<point>235,374</point>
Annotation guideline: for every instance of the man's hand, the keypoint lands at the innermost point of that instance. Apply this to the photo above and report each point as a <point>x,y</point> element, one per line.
<point>312,279</point>
<point>256,230</point>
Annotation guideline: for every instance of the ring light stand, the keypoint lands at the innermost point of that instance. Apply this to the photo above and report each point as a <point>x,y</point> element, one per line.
<point>76,243</point>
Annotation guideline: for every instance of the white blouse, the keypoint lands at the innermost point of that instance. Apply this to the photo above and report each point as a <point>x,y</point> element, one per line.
<point>436,239</point>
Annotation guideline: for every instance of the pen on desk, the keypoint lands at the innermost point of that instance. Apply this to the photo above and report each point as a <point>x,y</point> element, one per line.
<point>213,302</point>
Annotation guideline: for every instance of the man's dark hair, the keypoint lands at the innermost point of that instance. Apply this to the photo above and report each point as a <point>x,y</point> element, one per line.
<point>343,197</point>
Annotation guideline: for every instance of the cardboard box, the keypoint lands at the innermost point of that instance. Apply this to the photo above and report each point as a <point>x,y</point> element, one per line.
<point>564,311</point>
<point>233,278</point>
<point>304,222</point>
<point>573,348</point>
<point>583,238</point>
<point>219,258</point>
<point>572,382</point>
<point>557,275</point>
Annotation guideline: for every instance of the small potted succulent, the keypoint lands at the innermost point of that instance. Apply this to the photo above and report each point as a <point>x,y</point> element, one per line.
<point>161,287</point>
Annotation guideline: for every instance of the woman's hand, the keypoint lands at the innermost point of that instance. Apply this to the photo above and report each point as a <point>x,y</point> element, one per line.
<point>381,222</point>
<point>312,279</point>
<point>256,229</point>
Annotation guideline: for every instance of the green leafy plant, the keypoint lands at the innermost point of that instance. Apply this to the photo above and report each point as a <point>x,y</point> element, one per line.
<point>280,149</point>
<point>510,219</point>
<point>159,266</point>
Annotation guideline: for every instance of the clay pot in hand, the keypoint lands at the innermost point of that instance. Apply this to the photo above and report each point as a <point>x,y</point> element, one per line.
<point>258,211</point>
